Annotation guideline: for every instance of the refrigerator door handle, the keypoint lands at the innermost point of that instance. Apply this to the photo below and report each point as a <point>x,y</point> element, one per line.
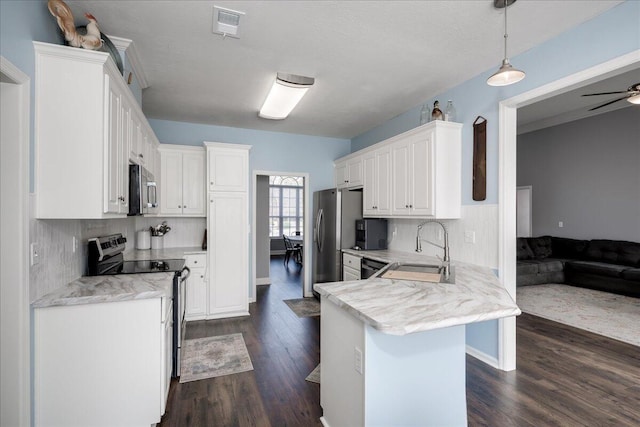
<point>319,224</point>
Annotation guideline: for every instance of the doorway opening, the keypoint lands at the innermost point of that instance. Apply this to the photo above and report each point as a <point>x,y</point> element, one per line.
<point>281,211</point>
<point>507,179</point>
<point>14,229</point>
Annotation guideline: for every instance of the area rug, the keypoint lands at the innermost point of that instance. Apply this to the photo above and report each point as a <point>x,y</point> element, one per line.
<point>304,307</point>
<point>603,313</point>
<point>314,376</point>
<point>214,357</point>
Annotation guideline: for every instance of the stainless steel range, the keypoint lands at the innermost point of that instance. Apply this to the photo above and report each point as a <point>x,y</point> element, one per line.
<point>106,257</point>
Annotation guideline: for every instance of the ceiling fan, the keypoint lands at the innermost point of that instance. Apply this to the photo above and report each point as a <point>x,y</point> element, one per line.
<point>632,94</point>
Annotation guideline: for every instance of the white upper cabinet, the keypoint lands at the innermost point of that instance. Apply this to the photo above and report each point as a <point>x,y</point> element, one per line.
<point>84,132</point>
<point>227,168</point>
<point>348,173</point>
<point>414,174</point>
<point>182,180</point>
<point>376,196</point>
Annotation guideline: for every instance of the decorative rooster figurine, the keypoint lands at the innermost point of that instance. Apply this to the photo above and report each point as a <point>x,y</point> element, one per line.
<point>63,15</point>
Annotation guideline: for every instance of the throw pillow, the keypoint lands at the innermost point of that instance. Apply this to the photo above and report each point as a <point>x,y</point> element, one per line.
<point>541,246</point>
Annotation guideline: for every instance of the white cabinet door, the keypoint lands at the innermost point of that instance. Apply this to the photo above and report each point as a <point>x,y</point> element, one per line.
<point>383,181</point>
<point>354,170</point>
<point>167,359</point>
<point>401,179</point>
<point>228,256</point>
<point>349,274</point>
<point>421,170</point>
<point>227,169</point>
<point>341,175</point>
<point>113,193</point>
<point>196,307</point>
<point>193,195</point>
<point>182,174</point>
<point>369,187</point>
<point>171,183</point>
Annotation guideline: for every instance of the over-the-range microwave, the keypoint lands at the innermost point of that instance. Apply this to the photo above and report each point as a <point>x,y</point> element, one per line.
<point>143,197</point>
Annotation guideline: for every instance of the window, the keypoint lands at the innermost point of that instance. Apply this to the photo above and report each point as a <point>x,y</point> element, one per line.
<point>285,205</point>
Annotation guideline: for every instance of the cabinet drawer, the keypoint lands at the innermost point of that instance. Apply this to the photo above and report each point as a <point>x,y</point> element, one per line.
<point>195,261</point>
<point>352,261</point>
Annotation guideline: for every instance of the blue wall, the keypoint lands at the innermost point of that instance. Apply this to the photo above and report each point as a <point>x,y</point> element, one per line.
<point>271,151</point>
<point>612,34</point>
<point>22,22</point>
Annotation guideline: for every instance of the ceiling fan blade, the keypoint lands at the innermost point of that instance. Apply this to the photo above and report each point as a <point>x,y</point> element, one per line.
<point>605,93</point>
<point>610,102</point>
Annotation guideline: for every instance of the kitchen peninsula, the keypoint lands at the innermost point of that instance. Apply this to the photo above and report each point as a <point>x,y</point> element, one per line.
<point>393,351</point>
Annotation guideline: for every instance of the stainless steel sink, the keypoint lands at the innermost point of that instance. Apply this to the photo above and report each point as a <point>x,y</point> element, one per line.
<point>420,268</point>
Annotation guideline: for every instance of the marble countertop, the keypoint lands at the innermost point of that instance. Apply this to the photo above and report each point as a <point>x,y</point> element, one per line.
<point>158,254</point>
<point>400,307</point>
<point>100,289</point>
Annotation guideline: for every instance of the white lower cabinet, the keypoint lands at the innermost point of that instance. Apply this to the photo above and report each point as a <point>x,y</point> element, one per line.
<point>228,255</point>
<point>196,304</point>
<point>350,267</point>
<point>106,364</point>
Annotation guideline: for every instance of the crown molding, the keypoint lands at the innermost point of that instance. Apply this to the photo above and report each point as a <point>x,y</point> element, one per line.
<point>133,58</point>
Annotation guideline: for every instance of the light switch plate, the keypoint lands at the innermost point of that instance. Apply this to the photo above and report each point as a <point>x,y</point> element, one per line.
<point>470,236</point>
<point>34,254</point>
<point>358,360</point>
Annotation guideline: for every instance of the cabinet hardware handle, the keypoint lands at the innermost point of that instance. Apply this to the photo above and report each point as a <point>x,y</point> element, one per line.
<point>411,206</point>
<point>185,206</point>
<point>179,206</point>
<point>406,206</point>
<point>141,155</point>
<point>211,182</point>
<point>202,277</point>
<point>195,262</point>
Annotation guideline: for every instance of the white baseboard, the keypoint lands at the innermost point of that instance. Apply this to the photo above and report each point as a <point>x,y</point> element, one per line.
<point>483,357</point>
<point>324,422</point>
<point>263,281</point>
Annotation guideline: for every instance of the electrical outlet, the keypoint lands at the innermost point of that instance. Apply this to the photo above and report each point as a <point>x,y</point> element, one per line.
<point>560,224</point>
<point>35,254</point>
<point>358,360</point>
<point>469,236</point>
<point>74,244</point>
<point>395,232</point>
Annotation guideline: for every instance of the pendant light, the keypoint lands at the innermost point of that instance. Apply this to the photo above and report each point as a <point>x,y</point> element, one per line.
<point>506,74</point>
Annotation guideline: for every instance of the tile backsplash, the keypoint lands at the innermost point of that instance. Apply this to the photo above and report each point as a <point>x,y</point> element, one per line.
<point>59,264</point>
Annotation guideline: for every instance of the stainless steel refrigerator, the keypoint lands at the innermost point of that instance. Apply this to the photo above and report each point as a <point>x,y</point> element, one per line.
<point>334,228</point>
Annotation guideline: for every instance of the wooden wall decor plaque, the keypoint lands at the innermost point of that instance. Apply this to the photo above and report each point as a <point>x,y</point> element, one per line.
<point>480,159</point>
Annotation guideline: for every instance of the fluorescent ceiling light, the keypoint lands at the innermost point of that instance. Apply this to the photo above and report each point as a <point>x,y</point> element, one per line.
<point>286,92</point>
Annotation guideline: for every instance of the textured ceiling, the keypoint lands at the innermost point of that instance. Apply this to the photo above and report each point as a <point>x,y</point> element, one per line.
<point>372,60</point>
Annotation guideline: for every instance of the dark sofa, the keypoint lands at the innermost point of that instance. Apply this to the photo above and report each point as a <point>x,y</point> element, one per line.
<point>605,265</point>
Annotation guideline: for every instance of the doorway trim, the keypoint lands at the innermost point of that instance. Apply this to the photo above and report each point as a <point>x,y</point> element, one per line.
<point>19,246</point>
<point>306,244</point>
<point>507,131</point>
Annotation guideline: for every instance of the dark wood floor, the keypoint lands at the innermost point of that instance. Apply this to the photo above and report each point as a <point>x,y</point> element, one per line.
<point>565,376</point>
<point>284,349</point>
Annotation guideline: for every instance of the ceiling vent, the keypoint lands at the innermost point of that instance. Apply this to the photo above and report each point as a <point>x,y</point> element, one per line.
<point>226,21</point>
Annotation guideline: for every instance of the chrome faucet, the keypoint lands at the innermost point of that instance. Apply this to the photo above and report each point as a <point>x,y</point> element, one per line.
<point>446,261</point>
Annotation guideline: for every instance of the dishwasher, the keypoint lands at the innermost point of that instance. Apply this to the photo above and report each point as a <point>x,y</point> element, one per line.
<point>369,267</point>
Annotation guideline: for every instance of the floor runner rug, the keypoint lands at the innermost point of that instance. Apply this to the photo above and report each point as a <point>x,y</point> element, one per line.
<point>314,376</point>
<point>603,313</point>
<point>304,307</point>
<point>214,357</point>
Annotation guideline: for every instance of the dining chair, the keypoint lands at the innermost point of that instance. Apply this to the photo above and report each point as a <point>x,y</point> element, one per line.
<point>291,249</point>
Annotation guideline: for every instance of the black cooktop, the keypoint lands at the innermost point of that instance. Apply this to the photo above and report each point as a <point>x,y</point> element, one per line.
<point>146,266</point>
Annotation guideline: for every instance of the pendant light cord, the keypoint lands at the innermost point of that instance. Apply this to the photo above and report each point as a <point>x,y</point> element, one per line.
<point>505,29</point>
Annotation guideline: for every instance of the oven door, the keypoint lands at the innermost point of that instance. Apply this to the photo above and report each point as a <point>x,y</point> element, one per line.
<point>179,324</point>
